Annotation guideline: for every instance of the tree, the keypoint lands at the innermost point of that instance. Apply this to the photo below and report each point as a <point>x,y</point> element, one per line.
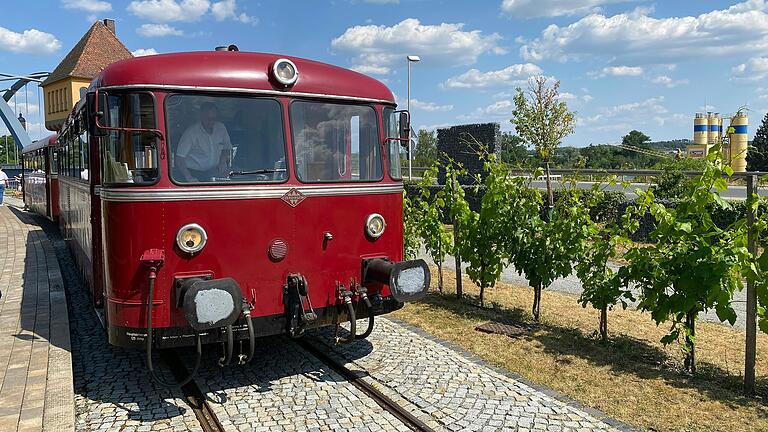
<point>542,120</point>
<point>636,138</point>
<point>604,286</point>
<point>425,153</point>
<point>411,241</point>
<point>757,156</point>
<point>691,265</point>
<point>512,149</point>
<point>430,209</point>
<point>8,149</point>
<point>673,183</point>
<point>547,249</point>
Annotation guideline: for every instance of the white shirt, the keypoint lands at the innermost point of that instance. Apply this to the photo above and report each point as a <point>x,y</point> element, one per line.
<point>202,150</point>
<point>3,177</point>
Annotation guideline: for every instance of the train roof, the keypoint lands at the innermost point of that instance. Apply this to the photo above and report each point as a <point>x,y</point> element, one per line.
<point>244,71</point>
<point>41,143</point>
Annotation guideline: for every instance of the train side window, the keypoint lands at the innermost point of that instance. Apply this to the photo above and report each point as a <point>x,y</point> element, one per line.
<point>394,147</point>
<point>130,157</point>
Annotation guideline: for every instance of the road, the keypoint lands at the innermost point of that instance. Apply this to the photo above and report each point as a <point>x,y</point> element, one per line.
<point>735,193</point>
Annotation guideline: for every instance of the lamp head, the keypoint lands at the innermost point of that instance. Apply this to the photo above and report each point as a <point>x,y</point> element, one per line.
<point>414,58</point>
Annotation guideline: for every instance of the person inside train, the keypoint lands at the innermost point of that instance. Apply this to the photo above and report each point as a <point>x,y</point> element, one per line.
<point>204,150</point>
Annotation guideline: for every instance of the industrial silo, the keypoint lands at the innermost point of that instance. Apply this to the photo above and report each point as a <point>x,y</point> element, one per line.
<point>712,124</point>
<point>738,139</point>
<point>700,136</point>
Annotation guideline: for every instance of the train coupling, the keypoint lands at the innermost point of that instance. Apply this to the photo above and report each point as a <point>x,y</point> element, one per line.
<point>298,306</point>
<point>407,280</point>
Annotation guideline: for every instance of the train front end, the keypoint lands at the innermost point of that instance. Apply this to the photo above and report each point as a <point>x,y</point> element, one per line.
<point>234,208</point>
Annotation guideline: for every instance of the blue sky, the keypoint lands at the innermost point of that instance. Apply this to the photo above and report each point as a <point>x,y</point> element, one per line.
<point>623,64</point>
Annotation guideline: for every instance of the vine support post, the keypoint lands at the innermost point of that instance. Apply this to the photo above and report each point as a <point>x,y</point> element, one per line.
<point>456,252</point>
<point>751,340</point>
<point>604,323</point>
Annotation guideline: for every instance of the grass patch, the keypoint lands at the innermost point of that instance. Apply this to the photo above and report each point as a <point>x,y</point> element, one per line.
<point>633,377</point>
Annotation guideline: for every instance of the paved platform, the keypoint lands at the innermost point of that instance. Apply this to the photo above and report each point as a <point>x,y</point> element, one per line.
<point>36,388</point>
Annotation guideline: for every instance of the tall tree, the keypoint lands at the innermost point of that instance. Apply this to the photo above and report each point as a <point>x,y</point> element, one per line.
<point>425,153</point>
<point>512,150</point>
<point>542,120</point>
<point>757,156</point>
<point>636,138</point>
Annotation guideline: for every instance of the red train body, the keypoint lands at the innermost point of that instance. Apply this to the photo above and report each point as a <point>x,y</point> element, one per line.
<point>40,177</point>
<point>294,223</point>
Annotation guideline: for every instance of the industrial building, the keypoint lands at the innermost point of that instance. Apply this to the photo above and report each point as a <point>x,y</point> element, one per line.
<point>708,130</point>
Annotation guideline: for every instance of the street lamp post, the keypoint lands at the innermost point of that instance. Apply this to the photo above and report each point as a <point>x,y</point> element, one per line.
<point>411,59</point>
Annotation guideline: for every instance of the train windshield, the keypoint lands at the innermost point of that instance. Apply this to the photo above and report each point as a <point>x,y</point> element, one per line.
<point>335,142</point>
<point>225,139</point>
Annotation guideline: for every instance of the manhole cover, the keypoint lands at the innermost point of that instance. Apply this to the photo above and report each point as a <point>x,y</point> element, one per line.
<point>511,329</point>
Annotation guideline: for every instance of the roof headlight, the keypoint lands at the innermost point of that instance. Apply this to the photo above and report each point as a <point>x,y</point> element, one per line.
<point>285,72</point>
<point>375,225</point>
<point>191,238</point>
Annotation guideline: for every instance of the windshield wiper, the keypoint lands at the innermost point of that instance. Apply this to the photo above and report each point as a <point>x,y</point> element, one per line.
<point>261,171</point>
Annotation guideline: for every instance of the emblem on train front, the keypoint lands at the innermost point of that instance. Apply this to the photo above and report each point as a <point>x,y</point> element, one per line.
<point>293,197</point>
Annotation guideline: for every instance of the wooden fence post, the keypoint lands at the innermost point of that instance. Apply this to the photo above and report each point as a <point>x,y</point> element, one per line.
<point>751,339</point>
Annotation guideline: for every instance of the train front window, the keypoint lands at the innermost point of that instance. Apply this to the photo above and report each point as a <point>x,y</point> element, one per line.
<point>335,142</point>
<point>225,139</point>
<point>129,157</point>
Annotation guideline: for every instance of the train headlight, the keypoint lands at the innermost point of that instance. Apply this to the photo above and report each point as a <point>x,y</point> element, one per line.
<point>285,72</point>
<point>191,238</point>
<point>375,225</point>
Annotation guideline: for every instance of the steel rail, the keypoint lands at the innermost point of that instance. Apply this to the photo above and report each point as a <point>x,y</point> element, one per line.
<point>192,393</point>
<point>382,400</point>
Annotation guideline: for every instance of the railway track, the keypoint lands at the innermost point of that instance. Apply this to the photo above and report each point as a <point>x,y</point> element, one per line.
<point>192,393</point>
<point>209,422</point>
<point>381,399</point>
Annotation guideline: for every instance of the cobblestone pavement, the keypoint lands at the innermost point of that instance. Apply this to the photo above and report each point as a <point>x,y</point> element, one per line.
<point>440,382</point>
<point>287,389</point>
<point>35,362</point>
<point>112,388</point>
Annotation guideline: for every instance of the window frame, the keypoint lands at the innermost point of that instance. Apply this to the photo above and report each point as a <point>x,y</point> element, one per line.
<point>387,143</point>
<point>345,103</point>
<point>102,140</point>
<point>169,151</point>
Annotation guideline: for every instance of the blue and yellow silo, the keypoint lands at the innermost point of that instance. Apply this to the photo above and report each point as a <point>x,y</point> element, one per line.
<point>700,136</point>
<point>737,132</point>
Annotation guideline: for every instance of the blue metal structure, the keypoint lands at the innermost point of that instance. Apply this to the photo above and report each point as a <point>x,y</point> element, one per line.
<point>19,133</point>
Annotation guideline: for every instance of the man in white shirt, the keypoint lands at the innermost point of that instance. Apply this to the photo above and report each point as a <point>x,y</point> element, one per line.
<point>3,183</point>
<point>204,150</point>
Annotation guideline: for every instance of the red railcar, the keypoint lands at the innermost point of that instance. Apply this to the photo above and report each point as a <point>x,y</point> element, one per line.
<point>240,194</point>
<point>40,183</point>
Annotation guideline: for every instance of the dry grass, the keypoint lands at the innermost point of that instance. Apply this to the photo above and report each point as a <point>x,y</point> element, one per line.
<point>633,378</point>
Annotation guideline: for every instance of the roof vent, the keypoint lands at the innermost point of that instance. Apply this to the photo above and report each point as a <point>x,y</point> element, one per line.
<point>110,24</point>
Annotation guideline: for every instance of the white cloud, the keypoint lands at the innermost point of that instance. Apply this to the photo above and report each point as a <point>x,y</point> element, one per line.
<point>141,52</point>
<point>622,71</point>
<point>158,30</point>
<point>636,37</point>
<point>92,6</point>
<point>628,116</point>
<point>552,8</point>
<point>371,70</point>
<point>169,10</point>
<point>498,110</point>
<point>25,108</point>
<point>227,9</point>
<point>754,69</point>
<point>429,106</point>
<point>513,75</point>
<point>668,82</point>
<point>438,45</point>
<point>30,41</point>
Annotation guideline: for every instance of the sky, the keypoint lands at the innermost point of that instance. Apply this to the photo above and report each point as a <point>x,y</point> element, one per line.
<point>622,64</point>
